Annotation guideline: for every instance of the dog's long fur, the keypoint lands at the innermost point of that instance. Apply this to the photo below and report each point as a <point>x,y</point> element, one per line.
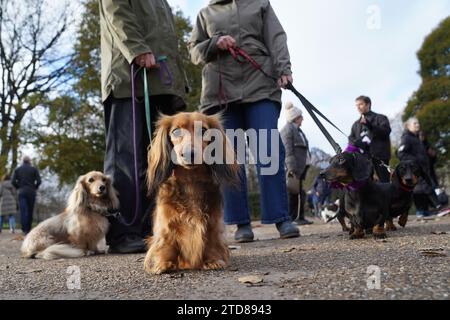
<point>368,206</point>
<point>80,230</point>
<point>188,229</point>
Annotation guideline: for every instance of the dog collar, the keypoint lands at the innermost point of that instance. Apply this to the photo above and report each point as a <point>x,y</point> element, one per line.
<point>406,188</point>
<point>353,186</point>
<point>115,213</point>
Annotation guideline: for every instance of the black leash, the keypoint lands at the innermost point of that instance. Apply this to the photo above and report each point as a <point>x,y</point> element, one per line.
<point>241,57</point>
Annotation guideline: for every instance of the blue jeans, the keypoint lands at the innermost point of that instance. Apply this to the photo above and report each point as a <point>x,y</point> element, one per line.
<point>26,206</point>
<point>11,221</point>
<point>274,206</point>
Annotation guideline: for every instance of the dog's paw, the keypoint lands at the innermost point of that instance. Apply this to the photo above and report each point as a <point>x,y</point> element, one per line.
<point>379,233</point>
<point>161,268</point>
<point>380,236</point>
<point>390,226</point>
<point>215,265</point>
<point>403,221</point>
<point>357,234</point>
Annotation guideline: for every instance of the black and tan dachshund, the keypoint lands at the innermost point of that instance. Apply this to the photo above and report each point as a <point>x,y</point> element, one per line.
<point>403,182</point>
<point>365,202</point>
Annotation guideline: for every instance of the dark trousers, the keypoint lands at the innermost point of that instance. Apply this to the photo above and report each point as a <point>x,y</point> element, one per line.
<point>26,207</point>
<point>120,158</point>
<point>382,172</point>
<point>297,204</point>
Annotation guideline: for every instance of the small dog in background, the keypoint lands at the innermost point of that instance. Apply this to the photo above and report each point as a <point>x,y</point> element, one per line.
<point>80,230</point>
<point>188,228</point>
<point>330,211</point>
<point>365,202</point>
<point>403,182</point>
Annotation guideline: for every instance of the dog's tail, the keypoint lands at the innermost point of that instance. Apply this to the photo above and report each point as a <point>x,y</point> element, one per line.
<point>60,251</point>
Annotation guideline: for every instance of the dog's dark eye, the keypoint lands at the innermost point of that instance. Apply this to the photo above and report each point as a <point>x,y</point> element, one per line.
<point>91,180</point>
<point>177,133</point>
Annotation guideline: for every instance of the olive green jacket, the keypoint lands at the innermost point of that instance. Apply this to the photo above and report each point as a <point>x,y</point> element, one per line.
<point>129,29</point>
<point>257,30</point>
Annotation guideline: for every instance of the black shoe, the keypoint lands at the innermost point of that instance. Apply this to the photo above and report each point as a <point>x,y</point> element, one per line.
<point>244,234</point>
<point>129,244</point>
<point>303,222</point>
<point>288,230</point>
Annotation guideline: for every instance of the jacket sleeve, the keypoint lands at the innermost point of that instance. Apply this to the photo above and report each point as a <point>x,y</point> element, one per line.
<point>288,141</point>
<point>202,48</point>
<point>15,180</point>
<point>353,137</point>
<point>379,125</point>
<point>123,26</point>
<point>37,179</point>
<point>275,39</point>
<point>405,151</point>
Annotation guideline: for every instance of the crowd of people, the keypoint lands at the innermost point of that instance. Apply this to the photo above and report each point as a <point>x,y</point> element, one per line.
<point>246,99</point>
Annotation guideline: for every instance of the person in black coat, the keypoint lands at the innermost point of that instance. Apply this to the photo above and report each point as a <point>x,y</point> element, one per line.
<point>412,148</point>
<point>27,180</point>
<point>372,134</point>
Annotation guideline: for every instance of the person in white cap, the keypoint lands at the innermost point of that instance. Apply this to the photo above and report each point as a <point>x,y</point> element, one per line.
<point>298,160</point>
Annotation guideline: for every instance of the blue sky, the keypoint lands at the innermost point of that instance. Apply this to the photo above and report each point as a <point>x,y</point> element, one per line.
<point>341,49</point>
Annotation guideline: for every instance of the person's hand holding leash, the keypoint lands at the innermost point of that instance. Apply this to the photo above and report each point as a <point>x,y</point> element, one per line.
<point>284,80</point>
<point>226,42</point>
<point>146,60</point>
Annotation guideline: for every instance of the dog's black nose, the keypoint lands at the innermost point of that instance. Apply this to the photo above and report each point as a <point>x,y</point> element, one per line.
<point>102,188</point>
<point>322,174</point>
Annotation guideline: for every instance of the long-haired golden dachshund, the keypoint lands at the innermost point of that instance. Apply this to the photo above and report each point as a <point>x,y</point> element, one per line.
<point>80,230</point>
<point>188,228</point>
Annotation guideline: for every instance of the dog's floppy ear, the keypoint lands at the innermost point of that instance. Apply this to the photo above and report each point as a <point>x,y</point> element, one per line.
<point>79,195</point>
<point>112,194</point>
<point>228,171</point>
<point>160,166</point>
<point>395,177</point>
<point>362,168</point>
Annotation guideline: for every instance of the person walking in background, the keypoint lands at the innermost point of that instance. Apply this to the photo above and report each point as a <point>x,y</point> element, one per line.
<point>247,99</point>
<point>412,148</point>
<point>298,161</point>
<point>432,158</point>
<point>27,180</point>
<point>8,203</point>
<point>371,133</point>
<point>322,192</point>
<point>136,34</point>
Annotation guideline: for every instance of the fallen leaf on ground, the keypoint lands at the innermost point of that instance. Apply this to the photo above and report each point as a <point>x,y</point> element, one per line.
<point>18,238</point>
<point>439,252</point>
<point>287,250</point>
<point>29,271</point>
<point>439,233</point>
<point>251,279</point>
<point>234,247</point>
<point>233,269</point>
<point>433,254</point>
<point>141,259</point>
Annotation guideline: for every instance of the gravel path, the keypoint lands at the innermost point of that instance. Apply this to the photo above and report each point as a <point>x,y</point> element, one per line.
<point>413,263</point>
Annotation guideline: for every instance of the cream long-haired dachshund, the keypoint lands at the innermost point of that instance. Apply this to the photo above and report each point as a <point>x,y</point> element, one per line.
<point>188,228</point>
<point>80,230</point>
